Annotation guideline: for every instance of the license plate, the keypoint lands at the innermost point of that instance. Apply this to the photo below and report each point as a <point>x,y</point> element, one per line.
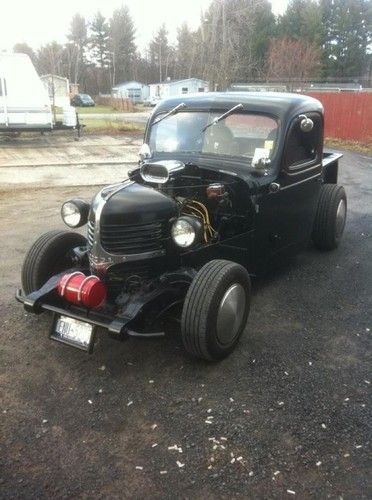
<point>73,332</point>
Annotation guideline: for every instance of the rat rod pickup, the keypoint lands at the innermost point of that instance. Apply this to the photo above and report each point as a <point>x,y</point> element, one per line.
<point>226,183</point>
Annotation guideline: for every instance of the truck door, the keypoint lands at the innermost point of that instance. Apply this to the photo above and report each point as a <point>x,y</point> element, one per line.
<point>287,208</point>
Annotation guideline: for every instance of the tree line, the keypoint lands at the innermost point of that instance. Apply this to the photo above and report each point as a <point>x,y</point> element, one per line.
<point>236,41</point>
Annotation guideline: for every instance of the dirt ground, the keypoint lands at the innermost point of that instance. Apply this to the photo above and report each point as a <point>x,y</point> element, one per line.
<point>286,415</point>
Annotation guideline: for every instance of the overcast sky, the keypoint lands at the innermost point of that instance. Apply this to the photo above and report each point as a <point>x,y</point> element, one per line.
<point>40,21</point>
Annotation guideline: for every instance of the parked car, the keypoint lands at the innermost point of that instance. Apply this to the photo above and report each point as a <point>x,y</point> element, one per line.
<point>226,183</point>
<point>83,100</point>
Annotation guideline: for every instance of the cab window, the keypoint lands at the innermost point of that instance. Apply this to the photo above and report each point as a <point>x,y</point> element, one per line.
<point>303,148</point>
<point>239,135</point>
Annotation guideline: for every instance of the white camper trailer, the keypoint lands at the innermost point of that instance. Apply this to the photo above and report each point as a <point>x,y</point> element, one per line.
<point>24,102</point>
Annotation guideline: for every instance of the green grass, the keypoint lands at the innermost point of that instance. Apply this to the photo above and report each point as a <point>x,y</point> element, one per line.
<point>96,110</point>
<point>358,147</point>
<point>87,111</point>
<point>111,127</point>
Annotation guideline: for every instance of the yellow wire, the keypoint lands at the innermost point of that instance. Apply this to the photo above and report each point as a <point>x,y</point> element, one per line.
<point>203,218</point>
<point>206,215</point>
<point>203,212</point>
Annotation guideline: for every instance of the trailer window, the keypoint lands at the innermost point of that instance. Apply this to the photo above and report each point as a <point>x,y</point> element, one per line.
<point>303,147</point>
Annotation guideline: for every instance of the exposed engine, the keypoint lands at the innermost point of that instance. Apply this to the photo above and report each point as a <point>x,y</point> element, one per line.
<point>212,197</point>
<point>137,221</point>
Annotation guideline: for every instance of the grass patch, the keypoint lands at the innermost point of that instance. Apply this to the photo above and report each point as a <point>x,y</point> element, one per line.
<point>111,127</point>
<point>358,147</point>
<point>88,111</point>
<point>98,109</point>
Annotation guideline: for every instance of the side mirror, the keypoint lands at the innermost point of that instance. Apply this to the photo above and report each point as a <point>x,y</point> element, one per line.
<point>144,152</point>
<point>306,124</point>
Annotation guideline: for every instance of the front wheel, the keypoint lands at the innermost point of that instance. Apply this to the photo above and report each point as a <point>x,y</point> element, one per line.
<point>330,217</point>
<point>216,309</point>
<point>49,255</point>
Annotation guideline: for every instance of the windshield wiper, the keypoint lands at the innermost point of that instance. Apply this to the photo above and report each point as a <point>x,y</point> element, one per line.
<point>222,117</point>
<point>173,111</point>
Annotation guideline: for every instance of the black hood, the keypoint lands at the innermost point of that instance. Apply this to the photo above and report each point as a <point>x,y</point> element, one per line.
<point>136,204</point>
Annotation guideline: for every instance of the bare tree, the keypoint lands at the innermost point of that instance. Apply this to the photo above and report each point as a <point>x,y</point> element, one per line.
<point>78,37</point>
<point>234,40</point>
<point>50,59</point>
<point>293,61</point>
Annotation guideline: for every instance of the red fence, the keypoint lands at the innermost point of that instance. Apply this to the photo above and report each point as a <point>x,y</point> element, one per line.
<point>347,115</point>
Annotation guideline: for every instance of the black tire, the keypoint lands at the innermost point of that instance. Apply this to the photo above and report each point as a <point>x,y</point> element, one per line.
<point>49,255</point>
<point>328,224</point>
<point>200,323</point>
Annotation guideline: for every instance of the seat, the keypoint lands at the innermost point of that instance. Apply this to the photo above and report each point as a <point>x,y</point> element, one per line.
<point>219,139</point>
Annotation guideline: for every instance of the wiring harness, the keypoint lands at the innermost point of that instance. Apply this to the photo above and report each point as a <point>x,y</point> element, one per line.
<point>198,209</point>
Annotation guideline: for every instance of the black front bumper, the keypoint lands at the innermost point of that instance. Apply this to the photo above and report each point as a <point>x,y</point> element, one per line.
<point>167,291</point>
<point>114,325</point>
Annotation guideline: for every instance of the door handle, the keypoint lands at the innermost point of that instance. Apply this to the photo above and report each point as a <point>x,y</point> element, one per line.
<point>274,187</point>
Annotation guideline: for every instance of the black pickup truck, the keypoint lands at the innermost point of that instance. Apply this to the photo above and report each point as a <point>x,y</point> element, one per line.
<point>226,183</point>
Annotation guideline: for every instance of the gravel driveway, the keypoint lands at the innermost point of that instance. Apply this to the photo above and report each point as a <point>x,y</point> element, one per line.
<point>286,415</point>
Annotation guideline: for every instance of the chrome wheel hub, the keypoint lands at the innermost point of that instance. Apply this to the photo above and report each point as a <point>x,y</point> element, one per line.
<point>230,313</point>
<point>340,218</point>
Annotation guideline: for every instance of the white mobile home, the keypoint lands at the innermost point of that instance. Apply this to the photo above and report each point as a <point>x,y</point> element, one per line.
<point>171,88</point>
<point>24,102</point>
<point>136,91</point>
<point>58,89</point>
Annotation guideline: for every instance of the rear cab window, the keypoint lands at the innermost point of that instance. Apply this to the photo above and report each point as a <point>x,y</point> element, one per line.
<point>252,131</point>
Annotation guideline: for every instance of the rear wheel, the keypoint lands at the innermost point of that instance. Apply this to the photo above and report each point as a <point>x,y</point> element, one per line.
<point>216,309</point>
<point>49,255</point>
<point>330,218</point>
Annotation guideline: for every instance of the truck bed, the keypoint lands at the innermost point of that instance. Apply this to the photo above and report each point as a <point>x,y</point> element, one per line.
<point>330,167</point>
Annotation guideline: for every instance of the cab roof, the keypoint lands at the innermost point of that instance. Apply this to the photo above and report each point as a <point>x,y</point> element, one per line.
<point>282,105</point>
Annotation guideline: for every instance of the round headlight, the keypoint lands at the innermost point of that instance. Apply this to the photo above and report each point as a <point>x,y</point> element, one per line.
<point>75,213</point>
<point>184,232</point>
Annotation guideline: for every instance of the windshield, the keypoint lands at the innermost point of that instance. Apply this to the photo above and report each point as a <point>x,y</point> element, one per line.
<point>241,135</point>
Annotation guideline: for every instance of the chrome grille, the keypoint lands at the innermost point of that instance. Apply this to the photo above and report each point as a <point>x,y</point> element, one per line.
<point>90,234</point>
<point>132,239</point>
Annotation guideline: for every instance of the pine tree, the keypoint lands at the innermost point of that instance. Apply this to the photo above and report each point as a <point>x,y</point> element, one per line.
<point>302,21</point>
<point>347,35</point>
<point>185,52</point>
<point>99,41</point>
<point>159,52</point>
<point>122,44</point>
